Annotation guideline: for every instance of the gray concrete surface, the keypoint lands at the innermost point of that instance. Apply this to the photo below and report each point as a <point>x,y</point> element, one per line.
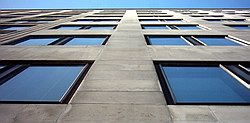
<point>122,85</point>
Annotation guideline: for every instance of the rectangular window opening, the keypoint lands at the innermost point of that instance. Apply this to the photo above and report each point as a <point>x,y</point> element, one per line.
<point>60,40</point>
<point>55,82</point>
<point>207,83</point>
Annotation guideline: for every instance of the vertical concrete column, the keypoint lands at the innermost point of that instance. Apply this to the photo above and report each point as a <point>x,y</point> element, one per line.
<point>123,79</point>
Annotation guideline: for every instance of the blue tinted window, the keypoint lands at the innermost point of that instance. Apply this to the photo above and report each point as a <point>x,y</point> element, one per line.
<point>101,27</point>
<point>188,27</point>
<point>35,42</point>
<point>205,85</point>
<point>242,27</point>
<point>218,42</point>
<point>40,83</point>
<point>21,21</point>
<point>42,21</point>
<point>167,41</point>
<point>174,20</point>
<point>155,27</point>
<point>237,20</point>
<point>86,41</point>
<point>69,27</point>
<point>84,21</point>
<point>150,20</point>
<point>214,20</point>
<point>16,28</point>
<point>110,21</point>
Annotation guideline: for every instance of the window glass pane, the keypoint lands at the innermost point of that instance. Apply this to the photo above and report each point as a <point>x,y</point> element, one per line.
<point>205,85</point>
<point>21,21</point>
<point>40,83</point>
<point>69,27</point>
<point>101,27</point>
<point>86,41</point>
<point>155,27</point>
<point>149,20</point>
<point>15,28</point>
<point>218,42</point>
<point>174,20</point>
<point>167,41</point>
<point>188,27</point>
<point>42,21</point>
<point>214,20</point>
<point>83,21</point>
<point>236,20</point>
<point>34,42</point>
<point>241,27</point>
<point>110,21</point>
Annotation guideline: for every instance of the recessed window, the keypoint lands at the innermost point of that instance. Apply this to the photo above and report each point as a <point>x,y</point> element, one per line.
<point>193,40</point>
<point>97,20</point>
<point>14,27</point>
<point>161,20</point>
<point>149,20</point>
<point>172,40</point>
<point>101,27</point>
<point>229,20</point>
<point>188,27</point>
<point>69,27</point>
<point>86,41</point>
<point>173,20</point>
<point>41,83</point>
<point>84,27</point>
<point>240,27</point>
<point>201,84</point>
<point>57,40</point>
<point>155,27</point>
<point>32,21</point>
<point>217,41</point>
<point>172,27</point>
<point>34,42</point>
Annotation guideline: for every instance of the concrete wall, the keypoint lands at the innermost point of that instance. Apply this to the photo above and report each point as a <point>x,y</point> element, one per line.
<point>122,85</point>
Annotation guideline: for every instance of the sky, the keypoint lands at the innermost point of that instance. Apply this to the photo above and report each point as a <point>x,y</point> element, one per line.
<point>83,4</point>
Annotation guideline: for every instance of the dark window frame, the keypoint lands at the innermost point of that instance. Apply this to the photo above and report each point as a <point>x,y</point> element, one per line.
<point>169,98</point>
<point>192,39</point>
<point>84,27</point>
<point>13,68</point>
<point>60,41</point>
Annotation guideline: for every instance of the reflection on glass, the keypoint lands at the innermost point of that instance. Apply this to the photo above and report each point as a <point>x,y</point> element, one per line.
<point>218,41</point>
<point>184,27</point>
<point>69,28</point>
<point>205,85</point>
<point>155,27</point>
<point>16,28</point>
<point>37,42</point>
<point>167,41</point>
<point>101,27</point>
<point>40,83</point>
<point>86,41</point>
<point>242,27</point>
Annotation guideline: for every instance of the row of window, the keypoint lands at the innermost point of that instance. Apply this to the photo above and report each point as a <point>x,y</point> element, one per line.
<point>199,83</point>
<point>63,40</point>
<point>173,27</point>
<point>111,27</point>
<point>193,40</point>
<point>86,27</point>
<point>182,82</point>
<point>161,20</point>
<point>151,40</point>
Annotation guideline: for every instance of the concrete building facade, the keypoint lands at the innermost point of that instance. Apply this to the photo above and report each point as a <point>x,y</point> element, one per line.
<point>121,83</point>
